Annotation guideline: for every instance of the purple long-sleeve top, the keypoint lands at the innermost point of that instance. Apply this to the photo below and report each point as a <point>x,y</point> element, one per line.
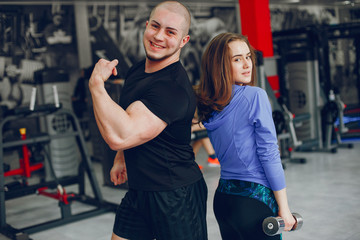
<point>244,138</point>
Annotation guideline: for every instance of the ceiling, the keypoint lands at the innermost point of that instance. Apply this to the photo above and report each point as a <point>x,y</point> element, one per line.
<point>333,3</point>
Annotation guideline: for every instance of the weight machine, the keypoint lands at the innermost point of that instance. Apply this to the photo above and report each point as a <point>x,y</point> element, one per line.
<point>283,118</point>
<point>299,74</point>
<point>10,191</point>
<point>342,54</point>
<point>305,86</point>
<point>333,110</point>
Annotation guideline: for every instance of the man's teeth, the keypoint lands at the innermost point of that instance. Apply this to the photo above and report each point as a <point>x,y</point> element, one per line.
<point>156,45</point>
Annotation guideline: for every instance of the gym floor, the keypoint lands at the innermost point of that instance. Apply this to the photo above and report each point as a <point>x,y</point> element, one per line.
<point>325,191</point>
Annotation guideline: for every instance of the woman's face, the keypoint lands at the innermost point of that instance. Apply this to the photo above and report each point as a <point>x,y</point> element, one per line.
<point>241,63</point>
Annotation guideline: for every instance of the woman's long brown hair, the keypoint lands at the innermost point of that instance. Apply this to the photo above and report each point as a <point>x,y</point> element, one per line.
<point>215,89</point>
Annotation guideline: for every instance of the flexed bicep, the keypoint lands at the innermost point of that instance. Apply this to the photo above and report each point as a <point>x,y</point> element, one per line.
<point>143,125</point>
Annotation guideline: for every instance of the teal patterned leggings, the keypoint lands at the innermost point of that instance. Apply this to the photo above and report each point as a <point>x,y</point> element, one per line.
<point>240,207</point>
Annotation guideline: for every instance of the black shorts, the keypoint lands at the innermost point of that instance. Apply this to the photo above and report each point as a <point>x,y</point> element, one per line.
<point>168,215</point>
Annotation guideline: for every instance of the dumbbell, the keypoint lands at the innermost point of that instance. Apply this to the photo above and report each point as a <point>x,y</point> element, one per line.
<point>275,225</point>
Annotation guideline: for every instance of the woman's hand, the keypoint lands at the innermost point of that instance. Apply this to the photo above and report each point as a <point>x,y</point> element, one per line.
<point>284,210</point>
<point>288,218</point>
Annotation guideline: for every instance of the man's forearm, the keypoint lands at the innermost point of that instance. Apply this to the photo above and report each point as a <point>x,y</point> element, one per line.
<point>119,157</point>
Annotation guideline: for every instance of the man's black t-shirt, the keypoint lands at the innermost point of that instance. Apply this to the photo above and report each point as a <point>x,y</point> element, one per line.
<point>167,161</point>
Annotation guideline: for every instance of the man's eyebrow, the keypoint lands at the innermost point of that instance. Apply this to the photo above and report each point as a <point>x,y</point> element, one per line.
<point>171,28</point>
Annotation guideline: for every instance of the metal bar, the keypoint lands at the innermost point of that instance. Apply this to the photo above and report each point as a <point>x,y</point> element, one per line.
<point>63,221</point>
<point>33,140</point>
<point>97,201</point>
<point>86,158</point>
<point>24,191</point>
<point>14,233</point>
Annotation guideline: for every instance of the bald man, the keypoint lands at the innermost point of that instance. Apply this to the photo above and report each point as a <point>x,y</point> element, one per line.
<point>150,129</point>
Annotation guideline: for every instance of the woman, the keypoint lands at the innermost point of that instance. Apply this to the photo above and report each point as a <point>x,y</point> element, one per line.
<point>238,118</point>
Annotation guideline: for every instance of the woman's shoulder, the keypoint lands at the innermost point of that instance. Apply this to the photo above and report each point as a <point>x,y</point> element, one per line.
<point>251,91</point>
<point>248,92</point>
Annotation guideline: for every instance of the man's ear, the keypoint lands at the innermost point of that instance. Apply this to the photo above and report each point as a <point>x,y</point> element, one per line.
<point>184,41</point>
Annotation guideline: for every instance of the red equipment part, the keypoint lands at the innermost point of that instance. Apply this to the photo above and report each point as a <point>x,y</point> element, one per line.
<point>25,167</point>
<point>60,195</point>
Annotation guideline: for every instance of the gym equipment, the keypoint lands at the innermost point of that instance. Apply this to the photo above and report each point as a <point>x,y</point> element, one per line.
<point>288,141</point>
<point>342,51</point>
<point>17,189</point>
<point>305,75</point>
<point>279,121</point>
<point>283,118</point>
<point>25,169</point>
<point>275,225</point>
<point>300,78</point>
<point>343,57</point>
<point>330,113</point>
<point>18,77</point>
<point>52,85</point>
<point>330,62</point>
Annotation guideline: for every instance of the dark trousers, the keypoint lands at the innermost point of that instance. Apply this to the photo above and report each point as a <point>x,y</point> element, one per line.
<point>240,218</point>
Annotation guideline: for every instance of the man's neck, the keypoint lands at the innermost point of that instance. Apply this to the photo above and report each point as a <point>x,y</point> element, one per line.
<point>154,66</point>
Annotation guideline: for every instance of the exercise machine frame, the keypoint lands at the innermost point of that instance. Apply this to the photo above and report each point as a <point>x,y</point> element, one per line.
<point>101,206</point>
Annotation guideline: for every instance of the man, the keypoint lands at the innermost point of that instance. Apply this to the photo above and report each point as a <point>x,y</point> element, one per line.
<point>151,132</point>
